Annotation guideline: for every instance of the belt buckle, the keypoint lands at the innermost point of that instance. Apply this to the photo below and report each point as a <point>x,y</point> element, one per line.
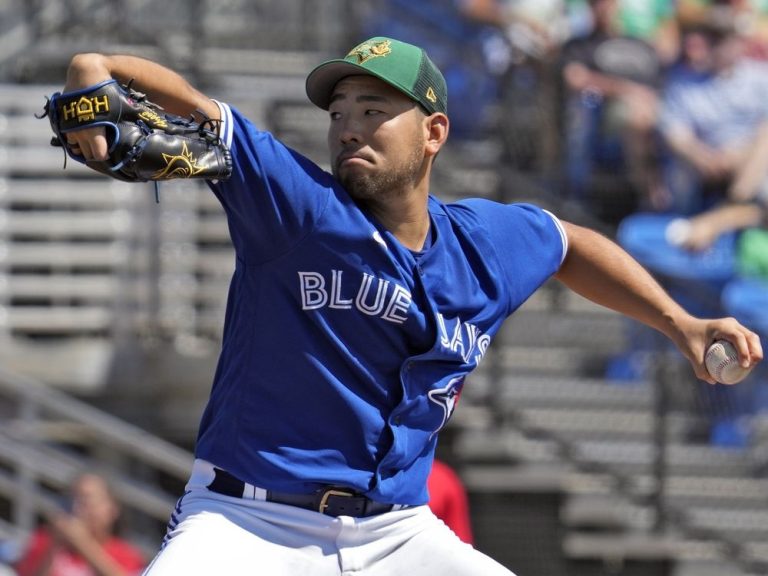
<point>332,492</point>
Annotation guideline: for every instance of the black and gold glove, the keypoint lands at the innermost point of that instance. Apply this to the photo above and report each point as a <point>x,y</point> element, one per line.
<point>145,142</point>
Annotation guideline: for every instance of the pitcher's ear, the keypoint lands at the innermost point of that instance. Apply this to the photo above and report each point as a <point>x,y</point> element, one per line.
<point>438,127</point>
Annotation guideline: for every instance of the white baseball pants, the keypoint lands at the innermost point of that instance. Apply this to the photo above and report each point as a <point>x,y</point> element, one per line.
<point>211,534</point>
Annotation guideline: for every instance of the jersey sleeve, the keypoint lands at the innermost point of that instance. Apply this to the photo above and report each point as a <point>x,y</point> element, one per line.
<point>529,243</point>
<point>274,196</point>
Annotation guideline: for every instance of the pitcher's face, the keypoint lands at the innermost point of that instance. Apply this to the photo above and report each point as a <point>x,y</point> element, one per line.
<point>376,138</point>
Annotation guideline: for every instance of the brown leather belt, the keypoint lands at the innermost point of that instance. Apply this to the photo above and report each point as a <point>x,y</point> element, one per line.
<point>329,500</point>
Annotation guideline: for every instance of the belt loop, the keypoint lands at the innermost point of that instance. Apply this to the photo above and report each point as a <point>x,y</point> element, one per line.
<point>251,492</point>
<point>224,483</point>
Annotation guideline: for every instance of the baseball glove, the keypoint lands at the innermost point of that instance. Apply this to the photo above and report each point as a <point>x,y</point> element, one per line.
<point>145,142</point>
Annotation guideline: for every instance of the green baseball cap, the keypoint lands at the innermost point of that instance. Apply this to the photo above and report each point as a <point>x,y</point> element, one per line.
<point>404,66</point>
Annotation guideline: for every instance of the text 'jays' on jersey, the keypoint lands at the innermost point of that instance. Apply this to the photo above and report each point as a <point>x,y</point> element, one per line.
<point>343,352</point>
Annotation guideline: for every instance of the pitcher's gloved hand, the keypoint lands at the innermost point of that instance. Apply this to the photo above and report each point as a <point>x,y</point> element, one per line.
<point>144,142</point>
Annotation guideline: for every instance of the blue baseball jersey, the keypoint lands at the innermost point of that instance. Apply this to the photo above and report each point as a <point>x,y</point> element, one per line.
<point>343,352</point>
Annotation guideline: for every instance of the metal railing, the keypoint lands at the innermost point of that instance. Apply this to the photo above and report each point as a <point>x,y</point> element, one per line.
<point>48,437</point>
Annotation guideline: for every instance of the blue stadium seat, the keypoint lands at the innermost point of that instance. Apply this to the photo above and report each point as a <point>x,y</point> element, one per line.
<point>644,236</point>
<point>695,279</point>
<point>747,300</point>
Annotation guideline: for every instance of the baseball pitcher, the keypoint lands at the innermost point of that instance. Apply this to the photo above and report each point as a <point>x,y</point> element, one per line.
<point>358,306</point>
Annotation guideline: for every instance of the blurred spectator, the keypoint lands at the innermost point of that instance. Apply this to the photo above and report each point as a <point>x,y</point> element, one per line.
<point>654,21</point>
<point>748,17</point>
<point>693,65</point>
<point>82,541</point>
<point>694,58</point>
<point>713,121</point>
<point>610,97</point>
<point>448,500</point>
<point>537,28</point>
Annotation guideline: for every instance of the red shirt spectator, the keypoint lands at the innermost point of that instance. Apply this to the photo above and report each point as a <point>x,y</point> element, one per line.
<point>66,562</point>
<point>448,500</point>
<point>81,542</point>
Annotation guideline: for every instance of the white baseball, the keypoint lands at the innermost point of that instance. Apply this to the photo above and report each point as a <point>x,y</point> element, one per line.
<point>722,363</point>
